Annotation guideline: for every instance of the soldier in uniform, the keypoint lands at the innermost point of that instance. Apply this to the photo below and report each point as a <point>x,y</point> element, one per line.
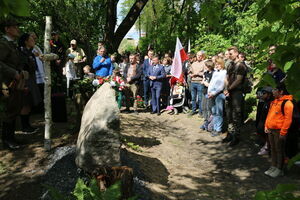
<point>11,75</point>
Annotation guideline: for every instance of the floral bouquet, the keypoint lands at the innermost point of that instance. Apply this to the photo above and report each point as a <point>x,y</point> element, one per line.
<point>118,83</point>
<point>99,81</point>
<point>140,102</point>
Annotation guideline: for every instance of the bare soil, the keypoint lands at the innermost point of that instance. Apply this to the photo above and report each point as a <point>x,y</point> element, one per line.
<point>174,159</point>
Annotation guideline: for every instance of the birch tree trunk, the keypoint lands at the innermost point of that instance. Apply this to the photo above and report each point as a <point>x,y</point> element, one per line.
<point>47,89</point>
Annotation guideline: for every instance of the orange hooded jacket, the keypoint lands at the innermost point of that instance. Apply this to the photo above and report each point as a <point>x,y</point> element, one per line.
<point>276,119</point>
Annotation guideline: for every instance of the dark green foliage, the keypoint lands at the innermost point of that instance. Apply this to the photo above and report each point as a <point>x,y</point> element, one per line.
<point>89,191</point>
<point>282,192</point>
<point>14,7</point>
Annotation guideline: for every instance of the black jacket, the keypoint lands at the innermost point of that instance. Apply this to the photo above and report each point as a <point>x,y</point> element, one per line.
<point>135,79</point>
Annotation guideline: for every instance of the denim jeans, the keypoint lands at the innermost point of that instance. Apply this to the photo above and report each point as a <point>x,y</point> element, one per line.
<point>196,95</point>
<point>147,91</point>
<point>217,112</point>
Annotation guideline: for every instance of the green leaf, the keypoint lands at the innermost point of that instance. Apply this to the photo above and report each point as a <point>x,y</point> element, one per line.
<point>113,192</point>
<point>282,188</point>
<point>267,80</point>
<point>94,190</point>
<point>261,195</point>
<point>54,193</point>
<point>293,160</point>
<point>288,65</point>
<point>80,190</point>
<point>19,7</point>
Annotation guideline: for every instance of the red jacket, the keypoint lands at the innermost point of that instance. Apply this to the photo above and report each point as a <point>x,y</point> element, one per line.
<point>276,119</point>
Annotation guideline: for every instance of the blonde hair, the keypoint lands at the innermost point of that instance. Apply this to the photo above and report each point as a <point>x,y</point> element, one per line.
<point>221,62</point>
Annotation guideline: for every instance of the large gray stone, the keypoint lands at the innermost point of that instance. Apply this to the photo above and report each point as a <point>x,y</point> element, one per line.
<point>98,142</point>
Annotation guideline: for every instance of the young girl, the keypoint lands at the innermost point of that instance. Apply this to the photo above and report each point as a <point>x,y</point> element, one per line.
<point>69,71</point>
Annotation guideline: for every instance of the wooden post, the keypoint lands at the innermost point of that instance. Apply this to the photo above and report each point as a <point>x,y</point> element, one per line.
<point>47,89</point>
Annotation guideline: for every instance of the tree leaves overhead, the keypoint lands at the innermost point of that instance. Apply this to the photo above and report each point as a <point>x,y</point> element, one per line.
<point>14,7</point>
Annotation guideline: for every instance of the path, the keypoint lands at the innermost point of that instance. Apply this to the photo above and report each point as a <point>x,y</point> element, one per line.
<point>179,161</point>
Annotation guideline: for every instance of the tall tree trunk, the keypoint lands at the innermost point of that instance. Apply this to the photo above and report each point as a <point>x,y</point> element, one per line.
<point>47,89</point>
<point>111,21</point>
<point>113,39</point>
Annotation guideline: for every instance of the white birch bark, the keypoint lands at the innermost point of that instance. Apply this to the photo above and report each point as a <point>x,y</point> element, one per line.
<point>47,89</point>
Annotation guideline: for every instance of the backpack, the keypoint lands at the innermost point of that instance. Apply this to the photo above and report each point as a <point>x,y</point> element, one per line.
<point>291,145</point>
<point>295,125</point>
<point>247,83</point>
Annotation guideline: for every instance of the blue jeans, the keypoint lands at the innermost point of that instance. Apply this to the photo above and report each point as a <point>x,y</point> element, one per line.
<point>196,93</point>
<point>217,112</point>
<point>147,91</point>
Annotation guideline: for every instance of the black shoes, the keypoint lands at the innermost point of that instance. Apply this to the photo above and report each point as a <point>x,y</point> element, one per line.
<point>227,139</point>
<point>29,130</point>
<point>158,114</point>
<point>10,145</point>
<point>234,141</point>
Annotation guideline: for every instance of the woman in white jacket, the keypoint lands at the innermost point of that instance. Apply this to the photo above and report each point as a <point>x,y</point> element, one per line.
<point>215,91</point>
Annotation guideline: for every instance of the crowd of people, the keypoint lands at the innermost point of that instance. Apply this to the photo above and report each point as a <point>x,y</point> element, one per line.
<point>213,87</point>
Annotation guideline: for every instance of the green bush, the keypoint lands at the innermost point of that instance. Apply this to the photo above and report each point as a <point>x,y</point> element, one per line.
<point>90,191</point>
<point>282,192</point>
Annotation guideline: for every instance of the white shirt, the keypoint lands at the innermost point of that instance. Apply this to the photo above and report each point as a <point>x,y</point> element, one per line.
<point>70,70</point>
<point>217,82</point>
<point>40,71</point>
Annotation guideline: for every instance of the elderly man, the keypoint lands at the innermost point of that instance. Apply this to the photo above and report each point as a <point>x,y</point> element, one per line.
<point>11,75</point>
<point>196,72</point>
<point>79,59</point>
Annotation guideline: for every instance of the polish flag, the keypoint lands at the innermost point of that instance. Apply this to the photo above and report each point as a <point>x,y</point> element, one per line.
<point>179,57</point>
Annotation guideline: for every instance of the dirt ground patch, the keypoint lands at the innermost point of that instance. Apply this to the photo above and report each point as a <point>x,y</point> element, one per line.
<point>175,160</point>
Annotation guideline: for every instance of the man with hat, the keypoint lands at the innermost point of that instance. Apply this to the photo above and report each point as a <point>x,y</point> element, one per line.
<point>79,59</point>
<point>265,97</point>
<point>11,75</point>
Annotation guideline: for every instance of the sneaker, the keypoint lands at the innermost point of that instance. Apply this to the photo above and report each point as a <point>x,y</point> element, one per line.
<point>29,130</point>
<point>203,127</point>
<point>192,113</point>
<point>270,170</point>
<point>276,173</point>
<point>263,151</point>
<point>215,133</point>
<point>10,145</point>
<point>297,163</point>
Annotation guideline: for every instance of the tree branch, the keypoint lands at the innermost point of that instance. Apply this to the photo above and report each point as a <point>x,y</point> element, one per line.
<point>128,21</point>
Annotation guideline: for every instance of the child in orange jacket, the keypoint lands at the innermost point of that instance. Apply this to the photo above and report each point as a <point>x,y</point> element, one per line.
<point>277,125</point>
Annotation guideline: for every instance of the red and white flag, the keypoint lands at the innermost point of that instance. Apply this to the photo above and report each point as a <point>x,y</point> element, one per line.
<point>179,57</point>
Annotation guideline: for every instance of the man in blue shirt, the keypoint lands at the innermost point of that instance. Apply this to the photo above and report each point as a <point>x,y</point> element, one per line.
<point>102,63</point>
